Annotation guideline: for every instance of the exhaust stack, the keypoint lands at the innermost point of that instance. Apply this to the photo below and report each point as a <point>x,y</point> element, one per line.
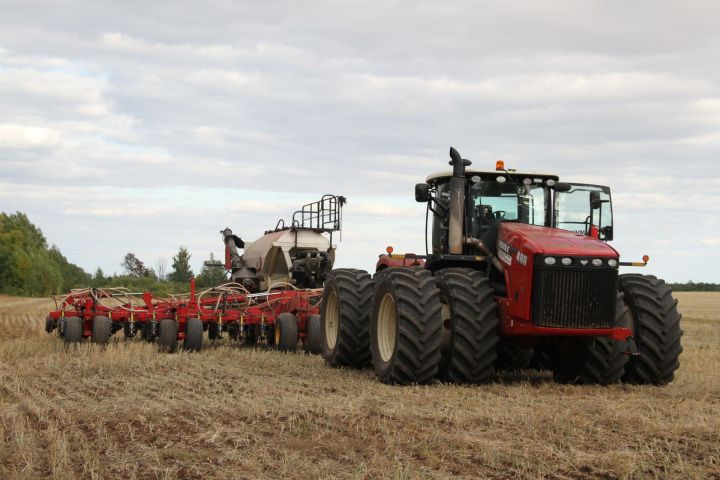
<point>457,202</point>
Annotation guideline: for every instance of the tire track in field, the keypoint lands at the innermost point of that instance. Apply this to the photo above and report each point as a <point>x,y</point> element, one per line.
<point>66,405</point>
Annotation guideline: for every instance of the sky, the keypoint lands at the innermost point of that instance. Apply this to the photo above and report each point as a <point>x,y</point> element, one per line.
<point>142,126</point>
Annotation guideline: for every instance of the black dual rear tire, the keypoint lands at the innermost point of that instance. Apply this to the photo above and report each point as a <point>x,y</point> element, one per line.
<point>405,328</point>
<point>345,318</point>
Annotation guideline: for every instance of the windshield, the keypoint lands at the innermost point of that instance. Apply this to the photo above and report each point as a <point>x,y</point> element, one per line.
<point>574,210</point>
<point>492,202</point>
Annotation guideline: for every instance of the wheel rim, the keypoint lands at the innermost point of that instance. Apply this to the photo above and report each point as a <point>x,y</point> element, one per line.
<point>277,334</point>
<point>386,327</point>
<point>332,320</point>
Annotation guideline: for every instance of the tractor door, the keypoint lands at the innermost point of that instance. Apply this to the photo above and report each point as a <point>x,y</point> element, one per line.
<point>585,209</point>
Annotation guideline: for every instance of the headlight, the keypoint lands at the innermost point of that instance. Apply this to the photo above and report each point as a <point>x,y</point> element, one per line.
<point>566,261</point>
<point>550,260</point>
<point>597,262</point>
<point>612,262</point>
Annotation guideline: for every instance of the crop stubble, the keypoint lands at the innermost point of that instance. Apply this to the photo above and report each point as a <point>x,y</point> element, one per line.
<point>128,411</point>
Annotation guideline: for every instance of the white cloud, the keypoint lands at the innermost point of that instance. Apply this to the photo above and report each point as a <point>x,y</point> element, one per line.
<point>710,241</point>
<point>184,120</point>
<point>20,136</point>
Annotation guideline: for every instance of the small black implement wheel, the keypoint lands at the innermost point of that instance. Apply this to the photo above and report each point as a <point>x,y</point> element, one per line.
<point>286,332</point>
<point>167,335</point>
<point>470,326</point>
<point>251,334</point>
<point>49,324</point>
<point>61,327</point>
<point>149,330</point>
<point>598,360</point>
<point>234,331</point>
<point>127,331</point>
<point>405,327</point>
<point>73,329</point>
<point>101,330</point>
<point>313,340</point>
<point>269,334</point>
<point>345,318</point>
<point>214,331</point>
<point>193,335</point>
<point>656,328</point>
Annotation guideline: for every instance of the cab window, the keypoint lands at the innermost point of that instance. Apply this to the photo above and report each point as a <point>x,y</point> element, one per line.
<point>574,212</point>
<point>492,202</point>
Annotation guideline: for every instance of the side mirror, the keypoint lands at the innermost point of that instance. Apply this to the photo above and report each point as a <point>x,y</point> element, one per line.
<point>422,192</point>
<point>562,187</point>
<point>595,200</point>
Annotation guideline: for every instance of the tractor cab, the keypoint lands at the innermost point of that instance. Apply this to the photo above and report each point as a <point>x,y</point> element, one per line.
<point>507,196</point>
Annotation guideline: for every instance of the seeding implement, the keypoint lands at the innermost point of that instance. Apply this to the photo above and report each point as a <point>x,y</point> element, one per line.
<point>279,317</point>
<point>273,297</point>
<point>520,271</point>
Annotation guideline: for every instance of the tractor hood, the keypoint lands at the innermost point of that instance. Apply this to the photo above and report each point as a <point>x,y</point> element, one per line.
<point>552,241</point>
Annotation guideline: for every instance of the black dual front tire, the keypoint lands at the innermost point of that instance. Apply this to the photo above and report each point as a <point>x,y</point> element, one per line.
<point>511,357</point>
<point>470,326</point>
<point>656,328</point>
<point>405,327</point>
<point>598,360</point>
<point>345,318</point>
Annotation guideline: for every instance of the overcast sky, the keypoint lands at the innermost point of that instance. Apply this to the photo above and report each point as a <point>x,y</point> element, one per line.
<point>143,126</point>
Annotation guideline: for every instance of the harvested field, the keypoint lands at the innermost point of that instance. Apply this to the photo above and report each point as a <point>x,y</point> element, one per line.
<point>129,412</point>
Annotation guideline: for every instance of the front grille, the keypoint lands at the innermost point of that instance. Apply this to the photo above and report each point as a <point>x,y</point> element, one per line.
<point>574,297</point>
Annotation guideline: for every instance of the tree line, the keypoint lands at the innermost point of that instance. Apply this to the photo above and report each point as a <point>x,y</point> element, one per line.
<point>29,266</point>
<point>695,287</point>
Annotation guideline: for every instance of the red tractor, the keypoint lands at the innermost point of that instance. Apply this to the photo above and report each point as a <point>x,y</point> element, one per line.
<point>519,270</point>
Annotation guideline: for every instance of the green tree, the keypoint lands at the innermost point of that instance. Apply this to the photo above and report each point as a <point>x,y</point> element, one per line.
<point>134,266</point>
<point>27,266</point>
<point>72,275</point>
<point>181,271</point>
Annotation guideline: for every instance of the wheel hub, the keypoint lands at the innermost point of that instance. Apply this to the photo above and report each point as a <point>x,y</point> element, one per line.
<point>332,320</point>
<point>387,328</point>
